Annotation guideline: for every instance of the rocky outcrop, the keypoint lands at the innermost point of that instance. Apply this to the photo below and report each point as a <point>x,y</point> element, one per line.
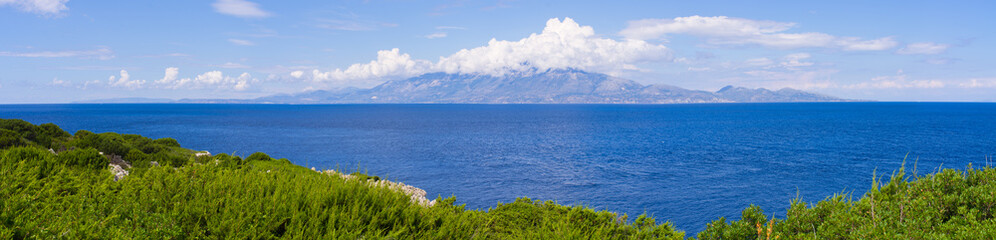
<point>118,171</point>
<point>417,195</point>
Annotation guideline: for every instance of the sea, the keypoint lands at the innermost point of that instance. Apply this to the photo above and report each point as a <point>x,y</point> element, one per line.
<point>687,163</point>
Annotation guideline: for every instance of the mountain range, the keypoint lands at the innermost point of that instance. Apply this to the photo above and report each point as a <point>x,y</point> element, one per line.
<point>552,86</point>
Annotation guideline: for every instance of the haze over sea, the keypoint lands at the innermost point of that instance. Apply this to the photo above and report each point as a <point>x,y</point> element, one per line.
<point>683,163</point>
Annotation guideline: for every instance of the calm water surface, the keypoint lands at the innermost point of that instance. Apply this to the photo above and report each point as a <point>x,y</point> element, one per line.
<point>689,164</point>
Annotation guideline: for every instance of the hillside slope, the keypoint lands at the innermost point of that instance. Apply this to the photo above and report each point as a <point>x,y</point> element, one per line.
<point>57,185</point>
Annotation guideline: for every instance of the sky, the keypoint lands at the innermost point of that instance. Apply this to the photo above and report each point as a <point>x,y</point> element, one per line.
<point>57,51</point>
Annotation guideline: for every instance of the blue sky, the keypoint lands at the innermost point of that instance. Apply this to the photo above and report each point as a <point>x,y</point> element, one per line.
<point>63,51</point>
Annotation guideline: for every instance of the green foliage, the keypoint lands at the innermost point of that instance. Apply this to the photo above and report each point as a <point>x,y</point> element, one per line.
<point>16,132</point>
<point>168,142</point>
<point>258,156</point>
<point>364,177</point>
<point>72,195</point>
<point>10,138</point>
<point>949,204</point>
<point>227,161</point>
<point>86,158</point>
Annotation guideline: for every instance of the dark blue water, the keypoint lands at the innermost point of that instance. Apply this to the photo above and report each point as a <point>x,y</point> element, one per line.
<point>689,164</point>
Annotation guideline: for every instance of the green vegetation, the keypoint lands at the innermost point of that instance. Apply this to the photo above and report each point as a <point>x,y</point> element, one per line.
<point>69,192</point>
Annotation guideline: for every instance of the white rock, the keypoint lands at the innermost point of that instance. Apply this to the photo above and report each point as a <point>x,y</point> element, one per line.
<point>118,171</point>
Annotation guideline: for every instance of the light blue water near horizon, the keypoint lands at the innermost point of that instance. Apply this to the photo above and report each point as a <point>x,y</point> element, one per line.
<point>688,164</point>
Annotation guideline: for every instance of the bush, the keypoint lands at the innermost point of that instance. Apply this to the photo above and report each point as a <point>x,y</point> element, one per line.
<point>87,158</point>
<point>17,125</point>
<point>258,156</point>
<point>228,161</point>
<point>82,133</point>
<point>138,158</point>
<point>169,142</point>
<point>53,130</point>
<point>10,138</point>
<point>168,159</point>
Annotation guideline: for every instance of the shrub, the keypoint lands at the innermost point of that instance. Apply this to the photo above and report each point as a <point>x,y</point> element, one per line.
<point>52,130</point>
<point>138,158</point>
<point>228,161</point>
<point>87,158</point>
<point>10,138</point>
<point>169,142</point>
<point>258,156</point>
<point>168,159</point>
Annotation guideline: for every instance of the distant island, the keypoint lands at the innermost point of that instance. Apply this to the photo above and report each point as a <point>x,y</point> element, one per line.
<point>557,86</point>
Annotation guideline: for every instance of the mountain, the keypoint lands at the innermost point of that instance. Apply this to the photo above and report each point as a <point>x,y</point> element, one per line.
<point>742,94</point>
<point>553,86</point>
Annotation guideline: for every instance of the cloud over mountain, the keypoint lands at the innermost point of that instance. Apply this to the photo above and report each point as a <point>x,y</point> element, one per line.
<point>562,44</point>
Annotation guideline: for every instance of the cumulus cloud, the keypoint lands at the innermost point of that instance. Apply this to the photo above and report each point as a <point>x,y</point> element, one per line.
<point>212,79</point>
<point>561,44</point>
<point>724,30</point>
<point>927,48</point>
<point>389,64</point>
<point>239,8</point>
<point>297,74</point>
<point>125,81</point>
<point>100,53</point>
<point>900,80</point>
<point>241,42</point>
<point>41,7</point>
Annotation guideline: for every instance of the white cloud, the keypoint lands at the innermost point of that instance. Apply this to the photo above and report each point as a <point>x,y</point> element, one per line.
<point>100,53</point>
<point>795,60</point>
<point>352,22</point>
<point>900,80</point>
<point>450,28</point>
<point>169,76</point>
<point>41,7</point>
<point>212,79</point>
<point>979,83</point>
<point>436,35</point>
<point>927,48</point>
<point>239,8</point>
<point>775,79</point>
<point>724,30</point>
<point>232,65</point>
<point>241,42</point>
<point>297,74</point>
<point>60,83</point>
<point>758,62</point>
<point>389,64</point>
<point>561,44</point>
<point>125,81</point>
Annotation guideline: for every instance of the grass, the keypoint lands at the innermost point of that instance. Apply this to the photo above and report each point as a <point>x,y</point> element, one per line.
<point>72,195</point>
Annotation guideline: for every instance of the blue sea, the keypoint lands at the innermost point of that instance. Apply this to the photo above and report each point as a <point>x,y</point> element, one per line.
<point>688,164</point>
